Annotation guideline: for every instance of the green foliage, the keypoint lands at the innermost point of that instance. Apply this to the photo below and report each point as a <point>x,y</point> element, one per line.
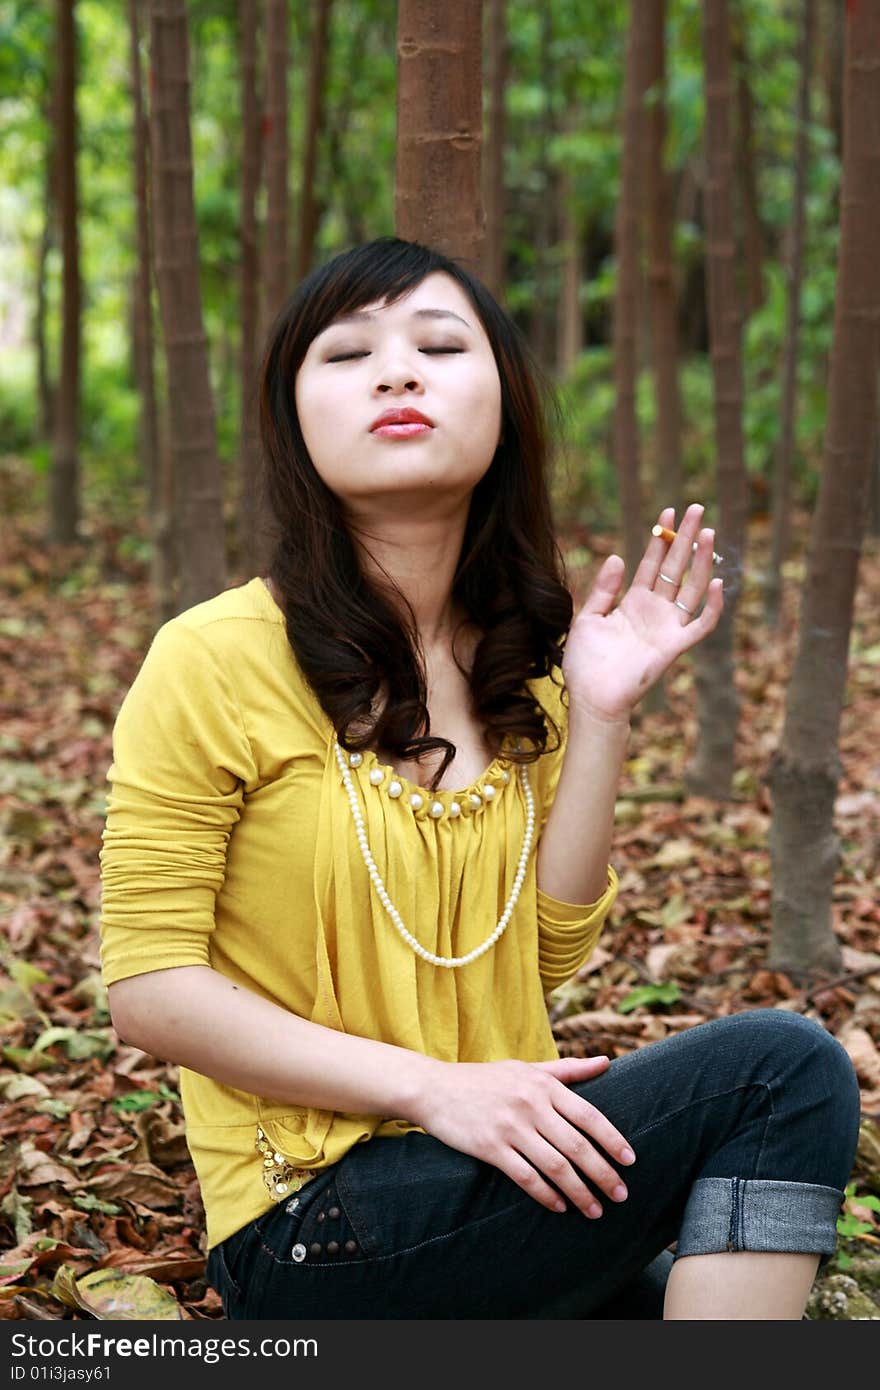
<point>848,1223</point>
<point>648,995</point>
<point>78,1043</point>
<point>564,107</point>
<point>18,423</point>
<point>87,1201</point>
<point>137,1101</point>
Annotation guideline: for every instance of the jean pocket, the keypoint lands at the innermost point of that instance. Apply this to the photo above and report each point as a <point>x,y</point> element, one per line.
<point>313,1228</point>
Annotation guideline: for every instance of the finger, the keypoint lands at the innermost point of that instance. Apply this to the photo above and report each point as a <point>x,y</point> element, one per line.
<point>649,566</point>
<point>607,586</point>
<point>707,621</point>
<point>574,1067</point>
<point>576,1148</point>
<point>585,1116</point>
<point>680,554</point>
<point>694,588</point>
<point>664,571</point>
<point>525,1176</point>
<point>555,1165</point>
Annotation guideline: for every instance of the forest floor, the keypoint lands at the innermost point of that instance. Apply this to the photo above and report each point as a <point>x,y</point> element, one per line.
<point>99,1204</point>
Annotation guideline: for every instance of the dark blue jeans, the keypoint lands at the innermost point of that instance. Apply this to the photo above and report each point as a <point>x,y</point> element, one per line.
<point>744,1130</point>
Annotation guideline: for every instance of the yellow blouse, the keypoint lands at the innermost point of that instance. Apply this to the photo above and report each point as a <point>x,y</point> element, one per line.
<point>230,842</point>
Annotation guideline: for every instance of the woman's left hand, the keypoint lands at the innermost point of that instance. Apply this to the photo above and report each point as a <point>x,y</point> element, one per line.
<point>613,655</point>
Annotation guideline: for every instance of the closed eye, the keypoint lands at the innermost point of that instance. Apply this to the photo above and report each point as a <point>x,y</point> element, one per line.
<point>350,356</point>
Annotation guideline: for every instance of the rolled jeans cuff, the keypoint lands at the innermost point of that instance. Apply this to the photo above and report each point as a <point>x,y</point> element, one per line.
<point>756,1214</point>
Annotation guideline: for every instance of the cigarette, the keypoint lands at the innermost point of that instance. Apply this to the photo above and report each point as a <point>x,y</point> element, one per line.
<point>669,537</point>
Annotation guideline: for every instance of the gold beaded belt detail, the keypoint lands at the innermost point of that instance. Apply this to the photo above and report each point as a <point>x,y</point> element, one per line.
<point>279,1176</point>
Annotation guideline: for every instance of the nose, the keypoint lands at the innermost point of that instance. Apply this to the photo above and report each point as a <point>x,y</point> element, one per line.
<point>397,373</point>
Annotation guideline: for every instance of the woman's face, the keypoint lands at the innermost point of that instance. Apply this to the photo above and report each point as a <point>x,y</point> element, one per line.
<point>426,353</point>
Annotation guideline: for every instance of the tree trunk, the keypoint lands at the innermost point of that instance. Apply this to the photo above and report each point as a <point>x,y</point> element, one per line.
<point>64,498</point>
<point>308,217</point>
<point>668,487</point>
<point>627,251</point>
<point>493,173</point>
<point>440,127</point>
<point>276,259</point>
<point>45,390</point>
<point>153,452</point>
<point>248,509</point>
<point>199,483</point>
<point>805,770</point>
<point>711,772</point>
<point>782,470</point>
<point>752,231</point>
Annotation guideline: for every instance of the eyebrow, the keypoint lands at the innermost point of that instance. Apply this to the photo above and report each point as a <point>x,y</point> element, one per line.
<point>363,316</point>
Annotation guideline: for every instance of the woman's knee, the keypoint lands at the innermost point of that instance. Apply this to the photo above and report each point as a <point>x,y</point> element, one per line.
<point>806,1068</point>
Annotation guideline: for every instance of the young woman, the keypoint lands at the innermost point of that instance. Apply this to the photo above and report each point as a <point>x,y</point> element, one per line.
<point>360,820</point>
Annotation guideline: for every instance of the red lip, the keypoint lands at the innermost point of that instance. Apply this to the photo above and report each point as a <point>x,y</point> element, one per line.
<point>406,416</point>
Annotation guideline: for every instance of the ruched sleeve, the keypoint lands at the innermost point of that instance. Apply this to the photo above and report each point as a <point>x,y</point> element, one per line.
<point>181,762</point>
<point>568,933</point>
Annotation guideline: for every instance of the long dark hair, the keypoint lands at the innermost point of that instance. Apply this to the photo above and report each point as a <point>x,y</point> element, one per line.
<point>346,635</point>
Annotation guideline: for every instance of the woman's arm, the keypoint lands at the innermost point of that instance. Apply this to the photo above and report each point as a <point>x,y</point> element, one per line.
<point>198,1018</point>
<point>497,1111</point>
<point>575,844</point>
<point>613,656</point>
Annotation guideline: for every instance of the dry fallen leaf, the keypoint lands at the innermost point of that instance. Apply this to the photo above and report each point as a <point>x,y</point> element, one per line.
<point>140,1182</point>
<point>111,1295</point>
<point>866,1060</point>
<point>167,1267</point>
<point>37,1169</point>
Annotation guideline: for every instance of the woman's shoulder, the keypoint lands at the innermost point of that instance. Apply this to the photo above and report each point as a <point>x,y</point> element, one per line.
<point>239,633</point>
<point>235,642</point>
<point>233,620</point>
<point>245,603</point>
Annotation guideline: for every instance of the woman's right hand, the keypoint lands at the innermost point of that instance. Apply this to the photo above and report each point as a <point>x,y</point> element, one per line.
<point>522,1118</point>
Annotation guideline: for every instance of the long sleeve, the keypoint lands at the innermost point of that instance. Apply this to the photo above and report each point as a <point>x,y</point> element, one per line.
<point>568,933</point>
<point>181,759</point>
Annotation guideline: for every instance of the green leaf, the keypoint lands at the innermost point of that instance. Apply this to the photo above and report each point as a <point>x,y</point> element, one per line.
<point>851,1226</point>
<point>24,1059</point>
<point>135,1101</point>
<point>79,1044</point>
<point>667,993</point>
<point>88,1202</point>
<point>50,1036</point>
<point>27,975</point>
<point>872,1203</point>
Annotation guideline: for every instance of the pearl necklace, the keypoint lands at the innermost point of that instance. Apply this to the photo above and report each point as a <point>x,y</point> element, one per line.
<point>450,962</point>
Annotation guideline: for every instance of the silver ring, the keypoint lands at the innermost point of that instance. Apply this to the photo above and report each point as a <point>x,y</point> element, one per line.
<point>668,579</point>
<point>684,609</point>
